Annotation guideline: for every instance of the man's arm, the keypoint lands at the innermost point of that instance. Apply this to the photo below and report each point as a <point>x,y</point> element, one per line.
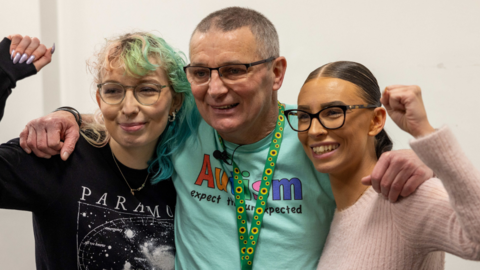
<point>398,173</point>
<point>53,134</point>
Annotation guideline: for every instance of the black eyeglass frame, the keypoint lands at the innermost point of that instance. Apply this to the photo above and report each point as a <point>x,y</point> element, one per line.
<point>270,59</point>
<point>126,87</point>
<point>317,115</point>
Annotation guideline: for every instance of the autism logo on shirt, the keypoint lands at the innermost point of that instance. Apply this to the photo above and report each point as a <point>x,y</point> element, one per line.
<point>283,189</point>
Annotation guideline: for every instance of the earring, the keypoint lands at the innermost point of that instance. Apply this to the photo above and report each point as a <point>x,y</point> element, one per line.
<point>171,118</point>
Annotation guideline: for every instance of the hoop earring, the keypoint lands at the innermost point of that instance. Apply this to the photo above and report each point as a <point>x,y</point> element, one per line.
<point>171,118</point>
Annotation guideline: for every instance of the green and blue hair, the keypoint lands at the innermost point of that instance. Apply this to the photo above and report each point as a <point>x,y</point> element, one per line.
<point>139,54</point>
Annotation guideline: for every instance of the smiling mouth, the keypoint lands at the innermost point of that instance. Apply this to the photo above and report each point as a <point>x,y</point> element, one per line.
<point>322,149</point>
<point>226,107</point>
<point>132,126</point>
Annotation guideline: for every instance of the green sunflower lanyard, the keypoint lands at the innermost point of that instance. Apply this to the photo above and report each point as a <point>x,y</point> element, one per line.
<point>248,241</point>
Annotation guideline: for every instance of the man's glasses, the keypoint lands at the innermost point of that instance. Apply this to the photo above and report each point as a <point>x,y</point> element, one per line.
<point>229,73</point>
<point>332,117</point>
<point>114,93</point>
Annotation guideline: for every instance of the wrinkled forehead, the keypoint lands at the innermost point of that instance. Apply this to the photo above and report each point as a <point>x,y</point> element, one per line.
<point>216,43</point>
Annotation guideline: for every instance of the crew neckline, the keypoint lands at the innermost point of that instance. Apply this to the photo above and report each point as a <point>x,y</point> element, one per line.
<point>134,177</point>
<point>248,148</point>
<point>366,196</point>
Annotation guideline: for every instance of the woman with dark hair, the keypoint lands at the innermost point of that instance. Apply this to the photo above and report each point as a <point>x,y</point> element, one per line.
<point>340,123</point>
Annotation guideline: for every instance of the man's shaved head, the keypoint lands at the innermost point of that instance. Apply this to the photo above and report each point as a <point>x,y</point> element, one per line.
<point>232,18</point>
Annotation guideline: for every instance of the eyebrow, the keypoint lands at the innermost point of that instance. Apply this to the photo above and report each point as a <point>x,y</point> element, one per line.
<point>112,81</point>
<point>332,103</point>
<point>140,82</point>
<point>149,81</point>
<point>323,105</point>
<point>233,62</point>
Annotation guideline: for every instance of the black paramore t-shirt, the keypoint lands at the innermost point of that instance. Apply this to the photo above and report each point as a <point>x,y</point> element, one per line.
<point>84,215</point>
<point>84,212</point>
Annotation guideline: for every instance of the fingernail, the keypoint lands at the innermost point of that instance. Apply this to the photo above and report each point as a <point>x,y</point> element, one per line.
<point>23,59</point>
<point>65,155</point>
<point>30,60</point>
<point>53,48</point>
<point>17,57</point>
<point>13,53</point>
<point>27,150</point>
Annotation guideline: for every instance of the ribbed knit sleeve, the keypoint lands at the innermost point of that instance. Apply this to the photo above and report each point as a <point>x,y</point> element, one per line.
<point>433,220</point>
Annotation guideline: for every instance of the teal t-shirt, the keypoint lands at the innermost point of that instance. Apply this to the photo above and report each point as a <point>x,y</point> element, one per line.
<point>296,222</point>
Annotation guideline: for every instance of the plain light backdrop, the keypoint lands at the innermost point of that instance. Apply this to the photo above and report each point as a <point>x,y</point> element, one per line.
<point>434,44</point>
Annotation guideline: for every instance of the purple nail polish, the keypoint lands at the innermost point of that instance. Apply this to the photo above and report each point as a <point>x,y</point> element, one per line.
<point>30,60</point>
<point>53,48</point>
<point>17,57</point>
<point>13,53</point>
<point>23,59</point>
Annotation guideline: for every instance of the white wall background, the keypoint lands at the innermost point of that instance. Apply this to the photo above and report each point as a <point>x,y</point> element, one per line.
<point>432,43</point>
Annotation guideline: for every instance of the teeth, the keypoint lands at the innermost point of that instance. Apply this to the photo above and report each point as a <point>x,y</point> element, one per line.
<point>325,148</point>
<point>226,107</point>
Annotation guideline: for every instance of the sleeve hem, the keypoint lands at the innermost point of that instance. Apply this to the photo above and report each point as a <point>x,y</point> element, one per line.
<point>14,72</point>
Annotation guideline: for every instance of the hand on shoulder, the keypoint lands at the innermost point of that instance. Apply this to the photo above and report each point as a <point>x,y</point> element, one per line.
<point>401,172</point>
<point>398,173</point>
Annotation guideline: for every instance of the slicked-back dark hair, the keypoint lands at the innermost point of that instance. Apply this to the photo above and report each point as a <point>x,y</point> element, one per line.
<point>233,18</point>
<point>363,78</point>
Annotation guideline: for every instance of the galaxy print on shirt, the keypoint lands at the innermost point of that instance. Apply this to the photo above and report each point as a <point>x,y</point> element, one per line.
<point>121,237</point>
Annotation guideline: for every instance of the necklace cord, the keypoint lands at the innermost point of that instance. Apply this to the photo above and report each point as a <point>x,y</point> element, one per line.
<point>131,189</point>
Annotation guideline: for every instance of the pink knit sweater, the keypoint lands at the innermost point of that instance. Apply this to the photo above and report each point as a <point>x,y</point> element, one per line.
<point>413,233</point>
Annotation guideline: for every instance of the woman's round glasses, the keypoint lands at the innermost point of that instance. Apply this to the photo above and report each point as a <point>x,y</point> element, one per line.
<point>145,93</point>
<point>332,117</point>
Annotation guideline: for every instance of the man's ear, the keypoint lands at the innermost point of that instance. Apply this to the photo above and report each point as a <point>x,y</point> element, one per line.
<point>279,68</point>
<point>378,121</point>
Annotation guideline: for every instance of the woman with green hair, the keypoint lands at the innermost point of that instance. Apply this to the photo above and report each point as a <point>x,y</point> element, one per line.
<point>112,203</point>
